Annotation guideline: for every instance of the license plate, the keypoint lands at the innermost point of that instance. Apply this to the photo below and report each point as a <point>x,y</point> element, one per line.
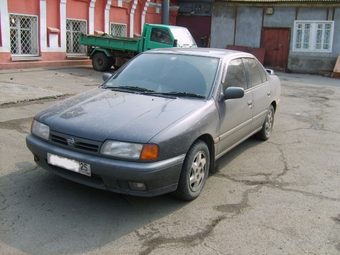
<point>69,164</point>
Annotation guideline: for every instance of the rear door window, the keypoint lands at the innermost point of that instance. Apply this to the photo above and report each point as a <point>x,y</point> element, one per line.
<point>263,72</point>
<point>254,74</point>
<point>236,76</point>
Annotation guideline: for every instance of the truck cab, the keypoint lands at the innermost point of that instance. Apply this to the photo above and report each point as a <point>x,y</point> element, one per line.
<point>164,36</point>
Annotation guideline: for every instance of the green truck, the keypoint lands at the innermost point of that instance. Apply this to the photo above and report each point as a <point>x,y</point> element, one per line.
<point>108,50</point>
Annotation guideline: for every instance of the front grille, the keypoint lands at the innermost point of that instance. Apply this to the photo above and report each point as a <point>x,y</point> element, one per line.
<point>58,139</point>
<point>77,143</point>
<point>86,146</point>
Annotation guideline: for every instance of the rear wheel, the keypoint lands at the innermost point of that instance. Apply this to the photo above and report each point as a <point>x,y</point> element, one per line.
<point>194,173</point>
<point>101,62</point>
<point>267,126</point>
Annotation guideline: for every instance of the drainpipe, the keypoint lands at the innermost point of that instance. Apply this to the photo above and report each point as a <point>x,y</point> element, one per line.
<point>165,12</point>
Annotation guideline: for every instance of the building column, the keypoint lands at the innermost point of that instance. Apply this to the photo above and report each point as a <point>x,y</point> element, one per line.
<point>5,43</point>
<point>43,26</point>
<point>63,25</point>
<point>107,17</point>
<point>144,14</point>
<point>132,17</point>
<point>91,16</point>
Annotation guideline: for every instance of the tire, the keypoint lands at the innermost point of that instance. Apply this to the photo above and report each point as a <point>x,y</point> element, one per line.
<point>194,172</point>
<point>101,62</point>
<point>267,126</point>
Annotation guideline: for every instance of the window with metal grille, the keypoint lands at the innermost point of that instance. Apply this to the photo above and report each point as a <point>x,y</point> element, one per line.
<point>73,30</point>
<point>24,35</point>
<point>316,36</point>
<point>118,29</point>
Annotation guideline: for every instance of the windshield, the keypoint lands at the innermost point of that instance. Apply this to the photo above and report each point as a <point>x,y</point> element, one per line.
<point>183,37</point>
<point>167,73</point>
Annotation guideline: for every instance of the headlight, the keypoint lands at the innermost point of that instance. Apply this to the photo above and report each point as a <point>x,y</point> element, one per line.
<point>130,150</point>
<point>40,129</point>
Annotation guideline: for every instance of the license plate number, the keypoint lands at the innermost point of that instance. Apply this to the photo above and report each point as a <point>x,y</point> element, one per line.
<point>69,164</point>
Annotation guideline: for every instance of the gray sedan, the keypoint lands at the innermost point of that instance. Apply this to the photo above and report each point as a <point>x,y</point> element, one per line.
<point>159,123</point>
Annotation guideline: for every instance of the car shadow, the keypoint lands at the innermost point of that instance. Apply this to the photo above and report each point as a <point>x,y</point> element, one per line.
<point>235,153</point>
<point>44,214</point>
<point>41,213</point>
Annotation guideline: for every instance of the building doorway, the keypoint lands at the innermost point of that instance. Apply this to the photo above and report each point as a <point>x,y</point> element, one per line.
<point>276,42</point>
<point>199,27</point>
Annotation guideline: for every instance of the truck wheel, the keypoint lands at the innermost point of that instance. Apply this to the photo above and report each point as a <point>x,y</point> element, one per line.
<point>101,62</point>
<point>194,173</point>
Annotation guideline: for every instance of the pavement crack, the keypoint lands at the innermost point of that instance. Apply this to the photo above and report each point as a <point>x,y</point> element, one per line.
<point>337,247</point>
<point>277,185</point>
<point>3,201</point>
<point>285,163</point>
<point>237,208</point>
<point>246,182</point>
<point>305,193</point>
<point>192,240</point>
<point>337,219</point>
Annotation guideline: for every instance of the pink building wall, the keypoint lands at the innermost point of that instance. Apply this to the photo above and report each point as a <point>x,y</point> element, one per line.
<point>51,50</point>
<point>24,6</point>
<point>53,14</point>
<point>77,9</point>
<point>99,15</point>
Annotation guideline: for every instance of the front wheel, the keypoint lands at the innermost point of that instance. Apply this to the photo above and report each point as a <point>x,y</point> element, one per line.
<point>101,62</point>
<point>194,173</point>
<point>267,126</point>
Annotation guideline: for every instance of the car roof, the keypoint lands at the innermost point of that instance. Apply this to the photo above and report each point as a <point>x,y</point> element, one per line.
<point>207,52</point>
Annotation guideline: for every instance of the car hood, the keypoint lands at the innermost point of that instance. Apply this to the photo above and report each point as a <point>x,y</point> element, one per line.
<point>102,114</point>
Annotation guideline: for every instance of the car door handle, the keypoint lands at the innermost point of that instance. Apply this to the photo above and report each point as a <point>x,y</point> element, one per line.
<point>269,93</point>
<point>250,102</point>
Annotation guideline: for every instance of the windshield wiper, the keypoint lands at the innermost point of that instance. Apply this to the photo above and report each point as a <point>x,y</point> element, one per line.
<point>146,91</point>
<point>130,88</point>
<point>176,94</point>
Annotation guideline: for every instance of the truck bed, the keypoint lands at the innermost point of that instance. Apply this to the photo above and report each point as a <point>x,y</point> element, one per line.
<point>110,42</point>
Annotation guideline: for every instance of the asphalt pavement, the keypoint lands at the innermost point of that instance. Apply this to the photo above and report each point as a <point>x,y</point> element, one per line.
<point>276,197</point>
<point>24,85</point>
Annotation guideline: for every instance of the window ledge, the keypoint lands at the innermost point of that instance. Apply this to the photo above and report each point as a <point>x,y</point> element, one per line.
<point>77,56</point>
<point>26,58</point>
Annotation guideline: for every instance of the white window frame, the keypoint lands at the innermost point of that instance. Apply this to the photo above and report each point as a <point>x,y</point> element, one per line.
<point>313,34</point>
<point>80,47</point>
<point>34,42</point>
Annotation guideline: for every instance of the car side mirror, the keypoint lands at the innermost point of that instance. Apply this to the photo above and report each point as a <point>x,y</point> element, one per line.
<point>232,93</point>
<point>270,71</point>
<point>106,76</point>
<point>175,43</point>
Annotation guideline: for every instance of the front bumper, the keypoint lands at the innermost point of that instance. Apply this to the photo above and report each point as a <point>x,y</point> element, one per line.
<point>110,174</point>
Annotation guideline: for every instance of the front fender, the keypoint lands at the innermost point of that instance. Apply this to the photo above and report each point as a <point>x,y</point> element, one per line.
<point>105,51</point>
